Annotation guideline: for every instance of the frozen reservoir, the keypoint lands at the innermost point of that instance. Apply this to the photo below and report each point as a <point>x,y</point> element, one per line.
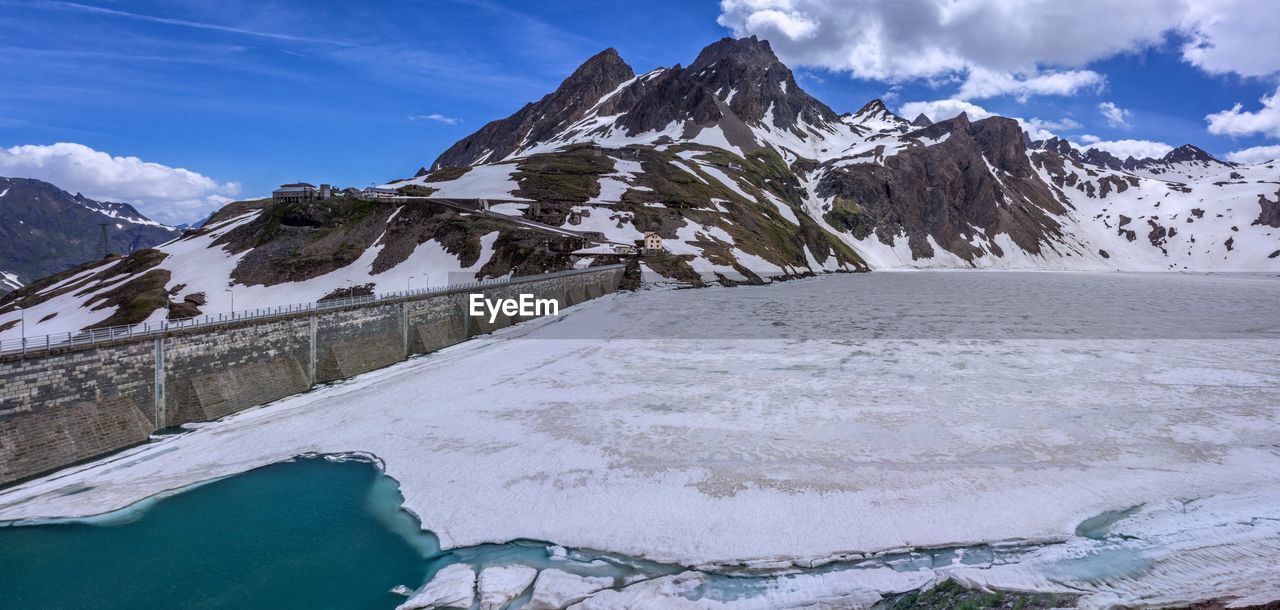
<point>1114,436</point>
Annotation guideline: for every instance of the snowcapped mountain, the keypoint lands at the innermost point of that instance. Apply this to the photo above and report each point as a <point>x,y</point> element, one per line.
<point>755,177</point>
<point>44,230</point>
<point>1187,163</point>
<point>744,176</point>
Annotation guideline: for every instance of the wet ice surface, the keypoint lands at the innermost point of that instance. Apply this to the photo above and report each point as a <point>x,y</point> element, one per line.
<point>772,429</point>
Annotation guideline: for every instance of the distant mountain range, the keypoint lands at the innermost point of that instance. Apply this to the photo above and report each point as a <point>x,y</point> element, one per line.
<point>752,174</point>
<point>45,230</point>
<point>743,175</point>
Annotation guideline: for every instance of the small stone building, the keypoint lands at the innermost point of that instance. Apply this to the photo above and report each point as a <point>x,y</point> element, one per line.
<point>295,193</point>
<point>375,192</point>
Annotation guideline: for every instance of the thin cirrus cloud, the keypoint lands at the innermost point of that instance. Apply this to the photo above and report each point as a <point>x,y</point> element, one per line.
<point>435,117</point>
<point>167,194</point>
<point>202,25</point>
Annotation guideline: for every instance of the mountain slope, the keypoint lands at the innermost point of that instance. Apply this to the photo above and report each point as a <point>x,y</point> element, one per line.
<point>45,230</point>
<point>743,175</point>
<point>894,193</point>
<point>258,254</point>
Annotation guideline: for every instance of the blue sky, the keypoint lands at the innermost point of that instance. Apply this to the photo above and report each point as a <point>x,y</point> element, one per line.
<point>246,95</point>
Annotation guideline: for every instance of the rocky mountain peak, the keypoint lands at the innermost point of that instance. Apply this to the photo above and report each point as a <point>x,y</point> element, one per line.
<point>921,121</point>
<point>606,66</point>
<point>871,108</point>
<point>1189,153</point>
<point>1060,146</point>
<point>739,51</point>
<point>602,73</point>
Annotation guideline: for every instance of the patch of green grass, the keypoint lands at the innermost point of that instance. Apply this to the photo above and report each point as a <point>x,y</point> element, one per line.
<point>446,174</point>
<point>416,190</point>
<point>572,174</point>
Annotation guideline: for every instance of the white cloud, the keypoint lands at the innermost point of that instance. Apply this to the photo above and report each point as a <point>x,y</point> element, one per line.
<point>1232,36</point>
<point>1042,129</point>
<point>793,24</point>
<point>1089,138</point>
<point>168,194</point>
<point>1138,149</point>
<point>1018,40</point>
<point>939,110</point>
<point>1116,116</point>
<point>1256,154</point>
<point>435,116</point>
<point>982,83</point>
<point>1238,122</point>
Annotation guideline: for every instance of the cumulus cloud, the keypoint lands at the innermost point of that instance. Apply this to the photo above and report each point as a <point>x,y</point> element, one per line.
<point>168,194</point>
<point>1232,36</point>
<point>1005,47</point>
<point>1089,138</point>
<point>1116,116</point>
<point>1256,154</point>
<point>435,116</point>
<point>1239,122</point>
<point>939,110</point>
<point>1138,149</point>
<point>982,83</point>
<point>924,38</point>
<point>1043,129</point>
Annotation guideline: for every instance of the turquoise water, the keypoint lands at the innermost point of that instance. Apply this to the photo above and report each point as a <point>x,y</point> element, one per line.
<point>304,534</point>
<point>317,533</point>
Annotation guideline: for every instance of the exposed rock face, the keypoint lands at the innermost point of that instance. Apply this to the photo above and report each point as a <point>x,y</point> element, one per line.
<point>1270,214</point>
<point>1188,152</point>
<point>735,81</point>
<point>921,121</point>
<point>945,192</point>
<point>536,121</point>
<point>1060,146</point>
<point>45,230</point>
<point>1185,162</point>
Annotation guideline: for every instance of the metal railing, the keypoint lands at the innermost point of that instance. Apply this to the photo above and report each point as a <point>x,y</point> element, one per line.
<point>43,343</point>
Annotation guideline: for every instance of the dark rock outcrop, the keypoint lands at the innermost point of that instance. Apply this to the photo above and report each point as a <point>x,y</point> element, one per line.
<point>542,119</point>
<point>944,192</point>
<point>737,81</point>
<point>1270,213</point>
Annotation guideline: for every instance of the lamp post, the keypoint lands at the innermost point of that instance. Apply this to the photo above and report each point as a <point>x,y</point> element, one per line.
<point>233,301</point>
<point>22,314</point>
<point>408,283</point>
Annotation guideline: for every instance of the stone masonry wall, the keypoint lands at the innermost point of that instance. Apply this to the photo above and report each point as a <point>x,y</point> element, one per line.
<point>66,407</point>
<point>77,403</point>
<point>212,375</point>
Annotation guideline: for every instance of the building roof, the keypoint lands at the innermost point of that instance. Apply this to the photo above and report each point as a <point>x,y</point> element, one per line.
<point>298,185</point>
<point>292,189</point>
